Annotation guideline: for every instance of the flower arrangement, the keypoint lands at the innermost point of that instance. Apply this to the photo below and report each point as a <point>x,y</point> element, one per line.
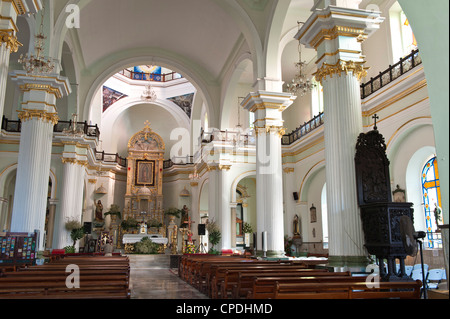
<point>190,249</point>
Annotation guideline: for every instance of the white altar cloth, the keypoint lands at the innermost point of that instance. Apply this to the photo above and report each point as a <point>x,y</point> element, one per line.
<point>134,238</point>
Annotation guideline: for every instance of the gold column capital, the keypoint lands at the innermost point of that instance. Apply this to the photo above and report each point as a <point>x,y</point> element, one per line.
<point>8,37</point>
<point>26,115</point>
<point>224,167</point>
<point>357,68</point>
<point>271,129</point>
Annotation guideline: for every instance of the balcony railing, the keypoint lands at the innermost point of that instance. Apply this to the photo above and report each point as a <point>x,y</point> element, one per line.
<point>110,158</point>
<point>16,127</point>
<point>393,72</point>
<point>142,76</point>
<point>302,130</point>
<point>178,160</point>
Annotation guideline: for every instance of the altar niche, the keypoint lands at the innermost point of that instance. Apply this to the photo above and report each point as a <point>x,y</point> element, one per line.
<point>144,198</point>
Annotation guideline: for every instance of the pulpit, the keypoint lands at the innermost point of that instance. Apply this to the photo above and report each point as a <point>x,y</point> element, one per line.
<point>380,216</point>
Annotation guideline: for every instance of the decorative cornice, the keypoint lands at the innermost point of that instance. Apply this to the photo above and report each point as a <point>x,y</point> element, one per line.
<point>41,87</point>
<point>26,115</point>
<point>8,37</point>
<point>271,129</point>
<point>74,161</point>
<point>224,167</point>
<point>357,68</point>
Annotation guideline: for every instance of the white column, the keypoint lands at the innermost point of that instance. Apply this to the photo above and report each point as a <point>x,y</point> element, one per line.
<point>30,197</point>
<point>337,33</point>
<point>213,197</point>
<point>268,107</point>
<point>71,199</point>
<point>38,116</point>
<point>8,44</point>
<point>224,206</point>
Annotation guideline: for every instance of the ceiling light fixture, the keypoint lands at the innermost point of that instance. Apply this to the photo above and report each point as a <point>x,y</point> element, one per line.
<point>37,63</point>
<point>149,94</point>
<point>300,85</point>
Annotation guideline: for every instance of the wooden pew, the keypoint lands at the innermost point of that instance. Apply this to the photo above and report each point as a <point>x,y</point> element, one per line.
<point>218,273</point>
<point>247,283</point>
<point>262,286</point>
<point>235,280</point>
<point>347,290</point>
<point>205,272</point>
<point>100,278</point>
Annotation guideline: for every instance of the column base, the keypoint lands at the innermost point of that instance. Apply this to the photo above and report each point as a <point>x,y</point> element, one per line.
<point>348,263</point>
<point>272,254</point>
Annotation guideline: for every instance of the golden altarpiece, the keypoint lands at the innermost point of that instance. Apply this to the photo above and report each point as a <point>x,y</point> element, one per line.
<point>144,198</point>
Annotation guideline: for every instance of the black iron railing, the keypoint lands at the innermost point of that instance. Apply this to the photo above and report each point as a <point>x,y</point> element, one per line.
<point>88,130</point>
<point>110,158</point>
<point>302,130</point>
<point>393,72</point>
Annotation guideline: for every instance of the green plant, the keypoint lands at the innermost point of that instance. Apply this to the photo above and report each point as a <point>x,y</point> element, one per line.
<point>247,228</point>
<point>114,210</point>
<point>69,249</point>
<point>129,223</point>
<point>173,212</point>
<point>146,246</point>
<point>154,223</point>
<point>76,234</point>
<point>287,245</point>
<point>214,234</point>
<point>72,224</point>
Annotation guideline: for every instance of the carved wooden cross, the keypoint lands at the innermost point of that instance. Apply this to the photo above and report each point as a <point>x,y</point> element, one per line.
<point>375,117</point>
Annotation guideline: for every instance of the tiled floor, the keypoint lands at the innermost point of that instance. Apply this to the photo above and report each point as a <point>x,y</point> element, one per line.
<point>151,278</point>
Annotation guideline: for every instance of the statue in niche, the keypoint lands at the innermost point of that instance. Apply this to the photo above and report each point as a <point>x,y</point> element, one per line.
<point>98,210</point>
<point>184,217</point>
<point>296,225</point>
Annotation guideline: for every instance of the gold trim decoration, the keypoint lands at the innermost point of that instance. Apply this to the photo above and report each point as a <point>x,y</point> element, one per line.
<point>224,167</point>
<point>288,170</point>
<point>8,37</point>
<point>357,68</point>
<point>41,87</point>
<point>74,161</point>
<point>338,31</point>
<point>40,114</point>
<point>279,130</point>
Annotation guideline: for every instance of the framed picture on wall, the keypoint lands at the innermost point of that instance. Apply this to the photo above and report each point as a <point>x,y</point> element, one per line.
<point>145,173</point>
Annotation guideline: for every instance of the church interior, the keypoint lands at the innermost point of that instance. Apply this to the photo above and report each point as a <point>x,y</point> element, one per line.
<point>229,128</point>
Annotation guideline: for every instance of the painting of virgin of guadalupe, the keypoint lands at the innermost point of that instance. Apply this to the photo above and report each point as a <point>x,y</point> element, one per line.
<point>145,173</point>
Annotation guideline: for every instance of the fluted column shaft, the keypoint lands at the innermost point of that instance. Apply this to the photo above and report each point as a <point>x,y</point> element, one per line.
<point>71,200</point>
<point>268,107</point>
<point>38,117</point>
<point>337,33</point>
<point>342,125</point>
<point>30,198</point>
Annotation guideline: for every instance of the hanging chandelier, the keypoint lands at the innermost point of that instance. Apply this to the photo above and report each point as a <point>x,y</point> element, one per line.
<point>73,130</point>
<point>149,94</point>
<point>37,63</point>
<point>300,84</point>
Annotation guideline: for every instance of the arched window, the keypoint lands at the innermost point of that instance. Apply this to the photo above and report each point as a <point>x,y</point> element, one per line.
<point>431,200</point>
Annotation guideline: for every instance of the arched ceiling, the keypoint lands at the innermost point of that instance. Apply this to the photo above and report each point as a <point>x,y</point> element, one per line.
<point>196,29</point>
